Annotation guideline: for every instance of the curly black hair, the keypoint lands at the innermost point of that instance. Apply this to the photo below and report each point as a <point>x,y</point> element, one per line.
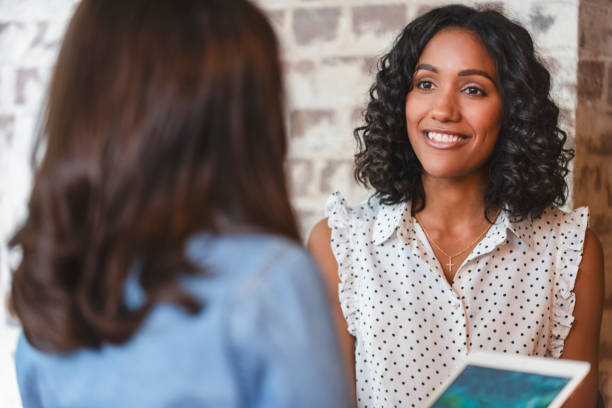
<point>529,163</point>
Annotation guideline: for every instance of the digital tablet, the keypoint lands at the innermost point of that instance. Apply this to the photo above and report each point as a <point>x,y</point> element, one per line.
<point>502,380</point>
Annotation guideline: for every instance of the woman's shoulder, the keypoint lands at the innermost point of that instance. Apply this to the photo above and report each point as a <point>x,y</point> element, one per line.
<point>215,250</point>
<point>340,214</point>
<point>569,227</point>
<point>246,261</point>
<point>556,223</point>
<point>564,217</point>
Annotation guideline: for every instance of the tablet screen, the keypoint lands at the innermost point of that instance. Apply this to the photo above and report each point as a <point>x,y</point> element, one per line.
<point>478,386</point>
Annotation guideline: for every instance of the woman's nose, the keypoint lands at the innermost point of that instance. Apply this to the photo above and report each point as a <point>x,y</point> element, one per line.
<point>444,107</point>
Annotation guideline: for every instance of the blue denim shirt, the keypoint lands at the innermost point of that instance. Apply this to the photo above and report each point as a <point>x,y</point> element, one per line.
<point>263,339</point>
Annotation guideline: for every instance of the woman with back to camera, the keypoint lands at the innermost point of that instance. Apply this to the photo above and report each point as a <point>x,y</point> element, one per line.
<point>161,264</point>
<point>462,247</point>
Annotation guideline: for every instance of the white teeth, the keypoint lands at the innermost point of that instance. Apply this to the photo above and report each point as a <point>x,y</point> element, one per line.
<point>443,137</point>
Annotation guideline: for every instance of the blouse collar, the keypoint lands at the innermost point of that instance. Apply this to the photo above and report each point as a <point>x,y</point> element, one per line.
<point>388,220</point>
<point>392,218</point>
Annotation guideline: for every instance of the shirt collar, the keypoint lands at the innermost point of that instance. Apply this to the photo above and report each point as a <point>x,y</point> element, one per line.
<point>392,217</point>
<point>523,230</point>
<point>388,220</point>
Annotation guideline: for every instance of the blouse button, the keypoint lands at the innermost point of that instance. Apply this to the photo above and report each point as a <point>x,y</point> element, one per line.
<point>457,305</point>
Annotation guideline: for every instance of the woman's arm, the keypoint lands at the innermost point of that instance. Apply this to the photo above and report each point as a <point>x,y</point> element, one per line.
<point>320,248</point>
<point>583,339</point>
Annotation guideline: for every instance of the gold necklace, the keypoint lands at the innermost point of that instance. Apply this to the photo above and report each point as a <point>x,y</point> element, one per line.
<point>450,257</point>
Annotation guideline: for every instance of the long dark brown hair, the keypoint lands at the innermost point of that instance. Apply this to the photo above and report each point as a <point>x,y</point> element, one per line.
<point>164,119</point>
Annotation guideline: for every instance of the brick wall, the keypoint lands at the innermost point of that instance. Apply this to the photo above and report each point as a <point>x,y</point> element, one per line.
<point>329,50</point>
<point>592,171</point>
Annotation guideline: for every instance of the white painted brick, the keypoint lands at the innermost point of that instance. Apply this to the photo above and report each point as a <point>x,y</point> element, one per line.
<point>552,24</point>
<point>37,10</point>
<point>321,137</point>
<point>15,39</point>
<point>301,84</point>
<point>7,87</point>
<point>343,82</point>
<point>319,46</point>
<point>564,79</point>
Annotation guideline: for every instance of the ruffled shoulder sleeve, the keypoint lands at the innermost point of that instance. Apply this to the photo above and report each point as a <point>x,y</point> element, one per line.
<point>570,240</point>
<point>340,220</point>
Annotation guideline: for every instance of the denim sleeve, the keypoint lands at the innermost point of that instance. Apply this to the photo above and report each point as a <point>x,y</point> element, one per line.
<point>282,337</point>
<point>27,378</point>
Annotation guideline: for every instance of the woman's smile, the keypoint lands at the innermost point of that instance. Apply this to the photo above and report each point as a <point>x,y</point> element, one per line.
<point>444,139</point>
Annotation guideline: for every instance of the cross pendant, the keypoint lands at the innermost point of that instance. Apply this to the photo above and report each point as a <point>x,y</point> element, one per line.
<point>450,264</point>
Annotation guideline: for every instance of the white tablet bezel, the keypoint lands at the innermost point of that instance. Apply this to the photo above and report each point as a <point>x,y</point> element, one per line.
<point>574,370</point>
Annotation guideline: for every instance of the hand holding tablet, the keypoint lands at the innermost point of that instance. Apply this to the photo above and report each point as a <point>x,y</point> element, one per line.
<point>500,380</point>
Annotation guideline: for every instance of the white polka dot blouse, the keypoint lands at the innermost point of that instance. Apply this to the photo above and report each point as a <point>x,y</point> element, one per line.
<point>512,294</point>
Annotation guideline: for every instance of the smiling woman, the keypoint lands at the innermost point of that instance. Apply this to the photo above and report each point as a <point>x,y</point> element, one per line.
<point>462,247</point>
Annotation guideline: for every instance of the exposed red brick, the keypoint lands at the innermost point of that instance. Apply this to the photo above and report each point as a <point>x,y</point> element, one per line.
<point>595,35</point>
<point>593,184</point>
<point>600,145</point>
<point>607,244</point>
<point>595,132</point>
<point>610,84</point>
<point>601,225</point>
<point>590,80</point>
<point>605,345</point>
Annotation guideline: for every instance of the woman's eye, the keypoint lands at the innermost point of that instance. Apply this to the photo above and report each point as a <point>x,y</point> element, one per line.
<point>425,85</point>
<point>472,90</point>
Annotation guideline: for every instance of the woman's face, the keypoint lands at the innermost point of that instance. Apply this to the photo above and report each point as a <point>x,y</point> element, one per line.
<point>453,111</point>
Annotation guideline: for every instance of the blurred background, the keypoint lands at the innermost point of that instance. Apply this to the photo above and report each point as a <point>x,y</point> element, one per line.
<point>330,49</point>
